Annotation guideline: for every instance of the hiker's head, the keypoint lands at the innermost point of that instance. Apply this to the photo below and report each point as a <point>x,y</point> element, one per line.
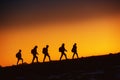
<point>75,44</point>
<point>47,46</point>
<point>63,44</point>
<point>19,50</point>
<point>36,46</point>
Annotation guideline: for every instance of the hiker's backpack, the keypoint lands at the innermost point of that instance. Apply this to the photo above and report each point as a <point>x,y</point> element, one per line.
<point>17,55</point>
<point>72,50</point>
<point>44,51</point>
<point>32,51</point>
<point>60,49</point>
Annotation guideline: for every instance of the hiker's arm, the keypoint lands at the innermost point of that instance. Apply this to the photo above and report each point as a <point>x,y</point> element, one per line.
<point>65,50</point>
<point>37,53</point>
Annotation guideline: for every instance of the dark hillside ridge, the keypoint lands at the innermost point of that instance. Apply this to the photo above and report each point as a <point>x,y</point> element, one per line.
<point>105,67</point>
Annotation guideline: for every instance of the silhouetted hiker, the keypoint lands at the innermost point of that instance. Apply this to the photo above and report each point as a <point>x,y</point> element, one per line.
<point>74,50</point>
<point>19,56</point>
<point>62,50</point>
<point>45,52</point>
<point>34,53</point>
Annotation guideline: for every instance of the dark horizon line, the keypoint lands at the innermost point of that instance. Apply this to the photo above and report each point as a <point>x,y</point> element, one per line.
<point>25,63</point>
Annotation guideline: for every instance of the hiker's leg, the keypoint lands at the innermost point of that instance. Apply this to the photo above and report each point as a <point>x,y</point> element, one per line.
<point>36,58</point>
<point>17,61</point>
<point>77,55</point>
<point>61,56</point>
<point>65,55</point>
<point>22,60</point>
<point>44,58</point>
<point>49,57</point>
<point>33,59</point>
<point>73,55</point>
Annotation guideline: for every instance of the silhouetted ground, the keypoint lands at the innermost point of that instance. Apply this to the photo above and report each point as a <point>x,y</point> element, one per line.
<point>106,67</point>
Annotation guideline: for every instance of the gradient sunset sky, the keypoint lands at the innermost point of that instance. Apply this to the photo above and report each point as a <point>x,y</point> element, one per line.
<point>93,24</point>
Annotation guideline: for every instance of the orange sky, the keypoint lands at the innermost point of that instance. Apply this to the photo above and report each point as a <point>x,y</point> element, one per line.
<point>96,33</point>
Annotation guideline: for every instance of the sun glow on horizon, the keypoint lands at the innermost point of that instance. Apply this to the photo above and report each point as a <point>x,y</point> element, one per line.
<point>93,37</point>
